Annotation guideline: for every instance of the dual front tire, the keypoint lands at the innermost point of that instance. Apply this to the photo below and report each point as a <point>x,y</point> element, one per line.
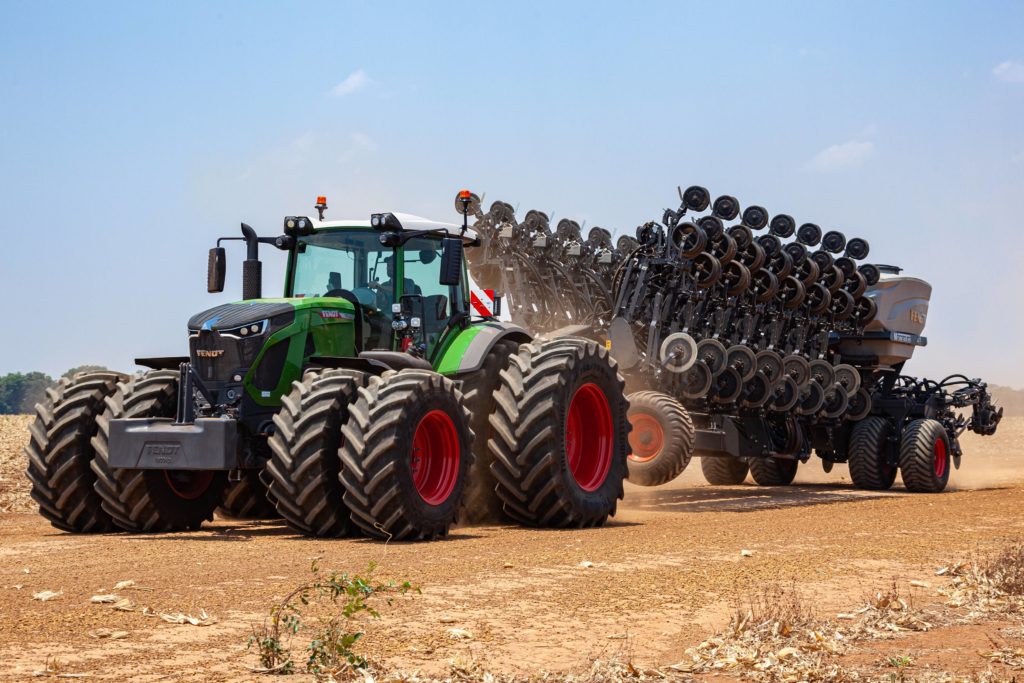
<point>405,456</point>
<point>60,453</point>
<point>68,466</point>
<point>151,500</point>
<point>386,456</point>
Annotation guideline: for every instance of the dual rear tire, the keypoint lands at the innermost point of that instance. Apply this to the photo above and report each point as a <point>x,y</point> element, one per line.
<point>560,435</point>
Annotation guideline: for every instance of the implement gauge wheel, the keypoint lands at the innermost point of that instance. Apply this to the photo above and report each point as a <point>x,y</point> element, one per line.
<point>152,500</point>
<point>869,464</point>
<point>725,471</point>
<point>773,471</point>
<point>661,441</point>
<point>560,435</point>
<point>925,456</point>
<point>406,455</point>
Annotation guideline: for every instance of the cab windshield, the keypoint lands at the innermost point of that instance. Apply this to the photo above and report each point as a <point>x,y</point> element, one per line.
<point>331,263</point>
<point>349,264</point>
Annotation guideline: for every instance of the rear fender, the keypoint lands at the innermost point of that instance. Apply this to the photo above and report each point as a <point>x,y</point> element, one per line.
<point>468,348</point>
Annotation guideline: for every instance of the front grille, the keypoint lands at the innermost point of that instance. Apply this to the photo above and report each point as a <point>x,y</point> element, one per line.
<point>218,358</point>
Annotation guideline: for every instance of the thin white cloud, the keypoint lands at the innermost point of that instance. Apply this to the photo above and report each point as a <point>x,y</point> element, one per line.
<point>358,143</point>
<point>363,141</point>
<point>845,155</point>
<point>357,80</point>
<point>1010,71</point>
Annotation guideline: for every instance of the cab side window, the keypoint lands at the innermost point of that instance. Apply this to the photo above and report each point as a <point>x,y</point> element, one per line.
<point>422,263</point>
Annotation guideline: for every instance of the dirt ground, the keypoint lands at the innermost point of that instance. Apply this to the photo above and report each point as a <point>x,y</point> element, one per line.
<point>661,577</point>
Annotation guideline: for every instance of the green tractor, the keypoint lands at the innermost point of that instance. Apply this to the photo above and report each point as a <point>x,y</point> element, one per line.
<point>369,399</point>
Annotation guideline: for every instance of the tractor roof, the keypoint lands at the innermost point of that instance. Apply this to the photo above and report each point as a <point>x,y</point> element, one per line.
<point>409,222</point>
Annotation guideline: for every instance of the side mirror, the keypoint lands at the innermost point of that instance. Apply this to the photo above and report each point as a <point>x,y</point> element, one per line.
<point>451,261</point>
<point>215,269</point>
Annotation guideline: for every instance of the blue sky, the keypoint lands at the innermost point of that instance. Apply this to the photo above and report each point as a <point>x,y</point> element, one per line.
<point>133,134</point>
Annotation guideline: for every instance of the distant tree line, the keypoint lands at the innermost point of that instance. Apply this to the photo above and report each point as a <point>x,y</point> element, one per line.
<point>21,391</point>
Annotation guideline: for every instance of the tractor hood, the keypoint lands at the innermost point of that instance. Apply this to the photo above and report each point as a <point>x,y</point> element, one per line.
<point>261,343</point>
<point>229,318</point>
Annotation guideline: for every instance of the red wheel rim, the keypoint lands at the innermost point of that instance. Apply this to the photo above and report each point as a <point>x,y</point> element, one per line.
<point>188,484</point>
<point>941,459</point>
<point>589,437</point>
<point>647,438</point>
<point>435,457</point>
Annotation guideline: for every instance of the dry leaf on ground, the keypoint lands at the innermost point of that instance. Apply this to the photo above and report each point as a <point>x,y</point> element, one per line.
<point>203,619</point>
<point>44,596</point>
<point>108,634</point>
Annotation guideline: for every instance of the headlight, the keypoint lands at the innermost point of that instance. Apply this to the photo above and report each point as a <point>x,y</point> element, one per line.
<point>247,330</point>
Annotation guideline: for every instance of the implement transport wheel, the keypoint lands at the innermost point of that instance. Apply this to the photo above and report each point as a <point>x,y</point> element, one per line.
<point>481,504</point>
<point>560,435</point>
<point>773,471</point>
<point>152,500</point>
<point>869,466</point>
<point>302,475</point>
<point>925,456</point>
<point>661,441</point>
<point>728,471</point>
<point>247,499</point>
<point>60,453</point>
<point>406,455</point>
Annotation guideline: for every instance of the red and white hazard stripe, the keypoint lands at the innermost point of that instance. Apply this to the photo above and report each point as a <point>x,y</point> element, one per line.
<point>482,301</point>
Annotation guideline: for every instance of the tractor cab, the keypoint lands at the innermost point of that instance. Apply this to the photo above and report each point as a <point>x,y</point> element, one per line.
<point>401,274</point>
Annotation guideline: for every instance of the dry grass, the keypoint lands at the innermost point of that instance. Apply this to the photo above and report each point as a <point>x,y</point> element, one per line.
<point>614,669</point>
<point>989,583</point>
<point>776,638</point>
